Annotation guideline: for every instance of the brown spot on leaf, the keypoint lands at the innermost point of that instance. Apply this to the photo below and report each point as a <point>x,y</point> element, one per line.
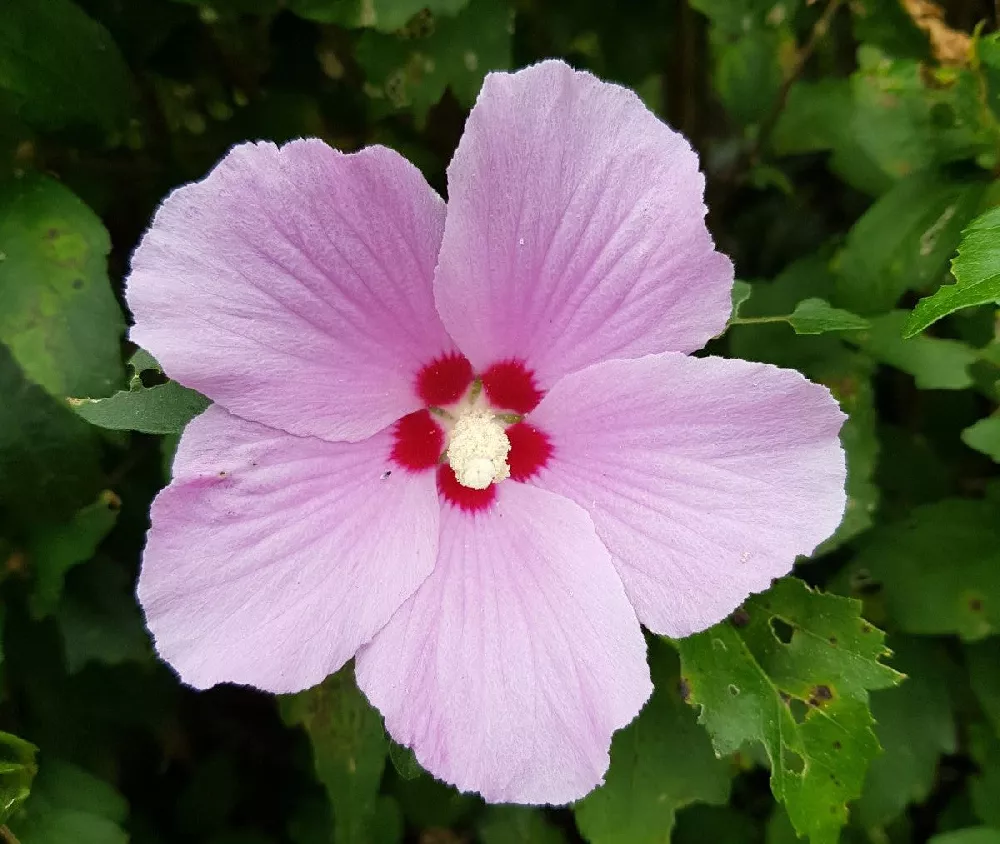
<point>684,689</point>
<point>740,618</point>
<point>975,604</point>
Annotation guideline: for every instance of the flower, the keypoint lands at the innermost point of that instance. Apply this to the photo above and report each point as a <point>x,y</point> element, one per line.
<point>380,365</point>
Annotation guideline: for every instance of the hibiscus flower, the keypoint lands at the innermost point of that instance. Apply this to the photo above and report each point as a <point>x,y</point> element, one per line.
<point>467,446</point>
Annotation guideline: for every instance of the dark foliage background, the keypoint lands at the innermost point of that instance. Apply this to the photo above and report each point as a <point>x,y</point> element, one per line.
<point>847,145</point>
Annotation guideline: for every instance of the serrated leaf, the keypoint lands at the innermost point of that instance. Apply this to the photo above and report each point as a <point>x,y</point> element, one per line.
<point>59,68</point>
<point>384,15</point>
<point>70,806</point>
<point>977,275</point>
<point>938,571</point>
<point>984,436</point>
<point>54,550</point>
<point>17,771</point>
<point>914,725</point>
<point>414,72</point>
<point>814,316</point>
<point>160,409</point>
<point>903,242</point>
<point>349,749</point>
<point>517,825</point>
<point>935,364</point>
<point>645,786</point>
<point>48,458</point>
<point>793,647</point>
<point>58,314</point>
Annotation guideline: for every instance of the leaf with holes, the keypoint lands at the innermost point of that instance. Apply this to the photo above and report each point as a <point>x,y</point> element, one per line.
<point>645,786</point>
<point>349,750</point>
<point>938,571</point>
<point>792,669</point>
<point>158,409</point>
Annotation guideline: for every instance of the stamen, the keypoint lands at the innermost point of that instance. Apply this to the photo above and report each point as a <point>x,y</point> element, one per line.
<point>478,449</point>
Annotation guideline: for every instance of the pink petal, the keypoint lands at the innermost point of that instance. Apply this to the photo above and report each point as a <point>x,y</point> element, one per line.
<point>513,664</point>
<point>293,287</point>
<point>704,477</point>
<point>272,558</point>
<point>575,229</point>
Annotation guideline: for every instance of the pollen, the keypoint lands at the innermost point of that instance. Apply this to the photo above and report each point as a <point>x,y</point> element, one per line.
<point>478,449</point>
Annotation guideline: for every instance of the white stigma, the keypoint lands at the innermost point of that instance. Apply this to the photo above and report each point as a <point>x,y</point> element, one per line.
<point>477,450</point>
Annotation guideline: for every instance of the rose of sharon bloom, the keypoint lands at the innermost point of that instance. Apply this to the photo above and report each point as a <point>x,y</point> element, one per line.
<point>467,446</point>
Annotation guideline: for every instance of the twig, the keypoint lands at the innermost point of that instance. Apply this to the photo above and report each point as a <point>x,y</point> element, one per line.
<point>8,836</point>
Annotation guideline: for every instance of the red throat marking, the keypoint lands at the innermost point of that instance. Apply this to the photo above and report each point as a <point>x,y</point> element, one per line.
<point>510,385</point>
<point>444,380</point>
<point>530,450</point>
<point>419,441</point>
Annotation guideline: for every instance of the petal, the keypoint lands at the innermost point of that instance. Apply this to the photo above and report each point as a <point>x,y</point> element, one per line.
<point>575,229</point>
<point>704,477</point>
<point>272,558</point>
<point>293,287</point>
<point>513,664</point>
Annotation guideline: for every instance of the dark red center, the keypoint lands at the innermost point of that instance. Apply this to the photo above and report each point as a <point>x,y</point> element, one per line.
<point>419,439</point>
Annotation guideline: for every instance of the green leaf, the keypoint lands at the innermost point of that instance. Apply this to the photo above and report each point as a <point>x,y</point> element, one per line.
<point>99,619</point>
<point>813,118</point>
<point>48,458</point>
<point>977,835</point>
<point>70,806</point>
<point>903,242</point>
<point>938,571</point>
<point>792,671</point>
<point>749,72</point>
<point>414,72</point>
<point>814,316</point>
<point>984,436</point>
<point>54,550</point>
<point>349,749</point>
<point>160,409</point>
<point>404,761</point>
<point>384,15</point>
<point>914,725</point>
<point>61,69</point>
<point>645,785</point>
<point>739,294</point>
<point>935,364</point>
<point>986,786</point>
<point>517,825</point>
<point>977,275</point>
<point>17,771</point>
<point>983,660</point>
<point>58,314</point>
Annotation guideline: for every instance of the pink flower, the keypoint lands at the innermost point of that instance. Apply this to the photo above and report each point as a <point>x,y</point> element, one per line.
<point>346,495</point>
